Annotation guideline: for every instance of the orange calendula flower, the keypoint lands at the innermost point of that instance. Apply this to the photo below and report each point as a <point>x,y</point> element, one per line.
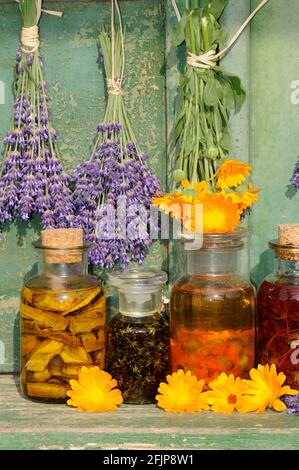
<point>250,196</point>
<point>226,394</point>
<point>265,388</point>
<point>185,184</point>
<point>173,204</point>
<point>201,188</point>
<point>245,199</point>
<point>221,209</point>
<point>182,393</point>
<point>94,391</point>
<point>232,173</point>
<point>219,215</point>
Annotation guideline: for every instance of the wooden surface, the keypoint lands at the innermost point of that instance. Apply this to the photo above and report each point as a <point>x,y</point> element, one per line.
<point>27,425</point>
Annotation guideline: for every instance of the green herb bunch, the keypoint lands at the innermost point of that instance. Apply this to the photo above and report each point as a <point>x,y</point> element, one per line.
<point>207,96</point>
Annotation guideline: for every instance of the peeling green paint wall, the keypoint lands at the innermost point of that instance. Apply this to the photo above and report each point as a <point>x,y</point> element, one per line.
<point>274,126</point>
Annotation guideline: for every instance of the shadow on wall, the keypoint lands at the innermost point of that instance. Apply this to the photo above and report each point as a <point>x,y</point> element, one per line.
<point>265,266</point>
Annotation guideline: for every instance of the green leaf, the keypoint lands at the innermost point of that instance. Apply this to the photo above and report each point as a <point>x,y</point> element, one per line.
<point>179,36</point>
<point>224,112</point>
<point>212,92</point>
<point>217,7</point>
<point>228,95</point>
<point>226,141</point>
<point>236,86</point>
<point>179,128</point>
<point>290,191</point>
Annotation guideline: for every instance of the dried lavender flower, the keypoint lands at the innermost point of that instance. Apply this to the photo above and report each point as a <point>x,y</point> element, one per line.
<point>32,180</point>
<point>295,176</point>
<point>292,402</point>
<point>117,169</point>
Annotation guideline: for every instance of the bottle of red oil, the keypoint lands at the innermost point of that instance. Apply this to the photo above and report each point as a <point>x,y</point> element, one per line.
<point>278,308</point>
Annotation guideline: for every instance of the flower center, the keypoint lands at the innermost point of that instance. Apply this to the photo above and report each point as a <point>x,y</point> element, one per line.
<point>96,395</point>
<point>232,399</point>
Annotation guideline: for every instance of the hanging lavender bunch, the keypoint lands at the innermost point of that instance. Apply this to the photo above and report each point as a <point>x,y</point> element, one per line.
<point>31,179</point>
<point>114,189</point>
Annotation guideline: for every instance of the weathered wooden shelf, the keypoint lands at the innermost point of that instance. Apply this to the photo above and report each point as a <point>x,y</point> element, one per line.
<point>26,425</point>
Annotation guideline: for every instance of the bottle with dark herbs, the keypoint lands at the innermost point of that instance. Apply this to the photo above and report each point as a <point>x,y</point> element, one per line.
<point>138,336</point>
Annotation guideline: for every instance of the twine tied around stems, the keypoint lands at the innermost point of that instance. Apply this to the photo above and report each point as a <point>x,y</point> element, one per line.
<point>30,39</point>
<point>209,59</point>
<point>115,84</point>
<point>30,36</point>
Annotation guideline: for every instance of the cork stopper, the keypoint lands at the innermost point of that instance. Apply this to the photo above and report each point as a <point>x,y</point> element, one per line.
<point>62,240</point>
<point>288,234</point>
<point>287,245</point>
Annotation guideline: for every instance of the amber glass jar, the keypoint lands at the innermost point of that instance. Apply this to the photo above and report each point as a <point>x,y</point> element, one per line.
<point>138,335</point>
<point>62,322</point>
<point>278,314</point>
<point>212,310</point>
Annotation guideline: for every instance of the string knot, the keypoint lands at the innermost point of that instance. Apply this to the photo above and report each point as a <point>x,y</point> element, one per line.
<point>204,61</point>
<point>30,39</point>
<point>114,86</point>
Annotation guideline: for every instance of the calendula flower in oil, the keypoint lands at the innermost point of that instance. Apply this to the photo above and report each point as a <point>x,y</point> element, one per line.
<point>265,389</point>
<point>94,391</point>
<point>182,393</point>
<point>227,394</point>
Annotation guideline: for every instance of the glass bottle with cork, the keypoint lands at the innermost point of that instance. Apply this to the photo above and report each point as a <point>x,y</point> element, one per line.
<point>62,317</point>
<point>212,310</point>
<point>278,307</point>
<point>138,336</point>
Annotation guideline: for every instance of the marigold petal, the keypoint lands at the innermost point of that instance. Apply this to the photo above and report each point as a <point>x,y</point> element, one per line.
<point>287,390</point>
<point>185,184</point>
<point>278,405</point>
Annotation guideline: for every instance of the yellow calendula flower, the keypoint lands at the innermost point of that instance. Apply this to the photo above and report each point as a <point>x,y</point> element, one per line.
<point>226,394</point>
<point>219,215</point>
<point>173,203</point>
<point>245,199</point>
<point>182,393</point>
<point>94,391</point>
<point>186,184</point>
<point>201,188</point>
<point>232,173</point>
<point>250,196</point>
<point>265,388</point>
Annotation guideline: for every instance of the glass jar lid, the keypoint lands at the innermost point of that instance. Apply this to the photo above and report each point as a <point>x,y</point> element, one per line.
<point>140,291</point>
<point>138,279</point>
<point>215,241</point>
